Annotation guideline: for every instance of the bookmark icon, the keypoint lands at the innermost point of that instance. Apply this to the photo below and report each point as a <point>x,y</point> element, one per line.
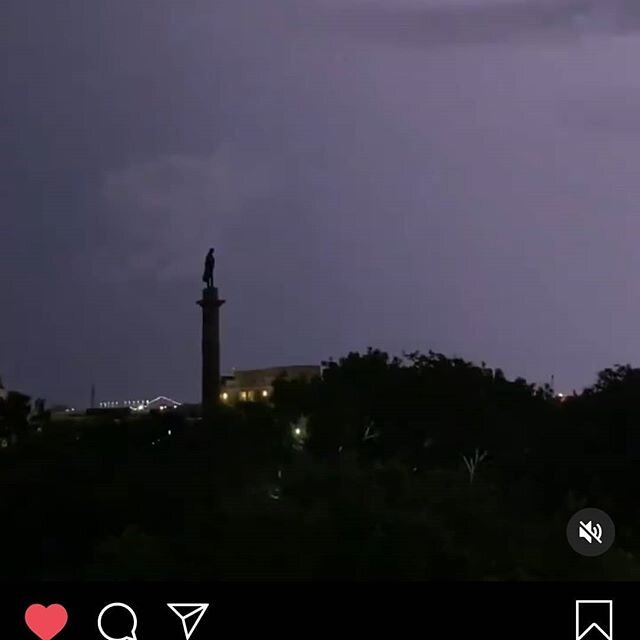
<point>190,615</point>
<point>594,619</point>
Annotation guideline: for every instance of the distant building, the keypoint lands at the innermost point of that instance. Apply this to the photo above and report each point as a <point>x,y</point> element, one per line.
<point>256,385</point>
<point>4,394</point>
<point>61,411</point>
<point>161,403</point>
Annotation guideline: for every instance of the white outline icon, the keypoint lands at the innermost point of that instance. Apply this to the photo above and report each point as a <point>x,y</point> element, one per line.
<point>589,532</point>
<point>133,627</point>
<point>198,609</point>
<point>597,627</point>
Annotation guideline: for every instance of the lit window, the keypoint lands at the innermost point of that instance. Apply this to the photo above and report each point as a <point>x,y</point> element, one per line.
<point>265,393</point>
<point>243,395</point>
<point>225,396</point>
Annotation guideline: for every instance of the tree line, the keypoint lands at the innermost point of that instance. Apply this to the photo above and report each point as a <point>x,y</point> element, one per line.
<point>413,467</point>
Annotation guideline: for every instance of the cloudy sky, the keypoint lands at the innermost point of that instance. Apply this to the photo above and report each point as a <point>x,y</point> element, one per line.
<point>461,175</point>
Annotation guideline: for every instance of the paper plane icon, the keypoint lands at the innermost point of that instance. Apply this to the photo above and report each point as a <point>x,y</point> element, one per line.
<point>190,615</point>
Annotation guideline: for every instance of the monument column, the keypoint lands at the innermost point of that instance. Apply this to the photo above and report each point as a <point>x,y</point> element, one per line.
<point>210,304</point>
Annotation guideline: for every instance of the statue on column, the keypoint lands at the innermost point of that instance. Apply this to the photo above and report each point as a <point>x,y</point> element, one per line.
<point>209,266</point>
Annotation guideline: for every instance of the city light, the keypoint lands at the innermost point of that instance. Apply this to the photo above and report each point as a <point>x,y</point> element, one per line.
<point>225,396</point>
<point>265,393</point>
<point>298,431</point>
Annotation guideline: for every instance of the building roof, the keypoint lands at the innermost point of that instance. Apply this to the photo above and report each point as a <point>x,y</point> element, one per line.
<point>256,378</point>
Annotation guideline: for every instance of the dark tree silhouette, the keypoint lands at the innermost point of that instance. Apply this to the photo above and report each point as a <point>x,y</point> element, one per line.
<point>414,467</point>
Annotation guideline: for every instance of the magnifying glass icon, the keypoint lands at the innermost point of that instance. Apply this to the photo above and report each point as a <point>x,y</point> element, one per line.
<point>134,622</point>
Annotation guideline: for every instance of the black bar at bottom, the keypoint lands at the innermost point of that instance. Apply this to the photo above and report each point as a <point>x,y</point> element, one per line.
<point>430,610</point>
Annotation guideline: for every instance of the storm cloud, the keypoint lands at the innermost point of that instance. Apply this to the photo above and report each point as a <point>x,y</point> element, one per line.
<point>467,22</point>
<point>406,176</point>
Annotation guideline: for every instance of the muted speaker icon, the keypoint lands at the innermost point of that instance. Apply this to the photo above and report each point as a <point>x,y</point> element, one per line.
<point>590,533</point>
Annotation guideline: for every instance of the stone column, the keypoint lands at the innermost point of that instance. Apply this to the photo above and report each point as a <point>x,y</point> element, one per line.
<point>210,305</point>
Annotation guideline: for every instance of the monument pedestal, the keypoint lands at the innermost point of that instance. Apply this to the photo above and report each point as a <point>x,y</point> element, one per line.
<point>210,304</point>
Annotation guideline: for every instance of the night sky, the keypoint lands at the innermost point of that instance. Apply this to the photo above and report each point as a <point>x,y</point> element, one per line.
<point>396,174</point>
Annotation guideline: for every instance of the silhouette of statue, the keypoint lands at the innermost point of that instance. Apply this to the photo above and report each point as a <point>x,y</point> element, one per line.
<point>209,266</point>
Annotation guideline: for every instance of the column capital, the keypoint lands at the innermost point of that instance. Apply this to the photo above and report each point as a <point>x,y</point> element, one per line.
<point>210,297</point>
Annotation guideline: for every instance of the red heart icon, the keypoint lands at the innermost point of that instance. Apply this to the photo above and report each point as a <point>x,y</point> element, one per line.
<point>46,622</point>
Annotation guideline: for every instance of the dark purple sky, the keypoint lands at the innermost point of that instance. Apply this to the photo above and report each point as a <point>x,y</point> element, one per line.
<point>446,174</point>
